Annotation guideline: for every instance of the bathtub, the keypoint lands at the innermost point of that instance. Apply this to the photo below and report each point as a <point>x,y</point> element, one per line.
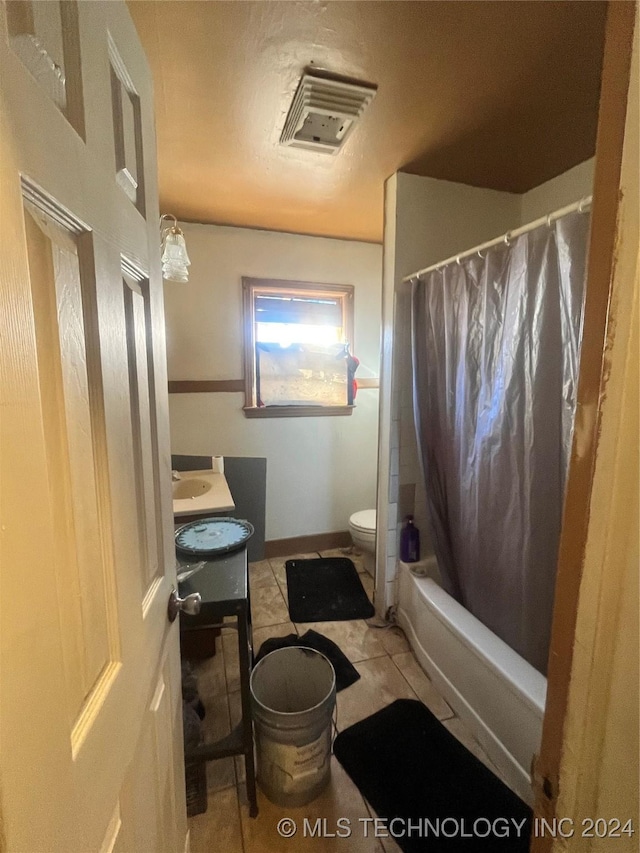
<point>491,688</point>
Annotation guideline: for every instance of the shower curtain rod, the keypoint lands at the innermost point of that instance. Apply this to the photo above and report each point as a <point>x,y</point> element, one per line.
<point>582,205</point>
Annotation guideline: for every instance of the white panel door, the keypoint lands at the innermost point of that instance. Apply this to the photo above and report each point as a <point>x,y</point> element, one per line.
<point>90,704</point>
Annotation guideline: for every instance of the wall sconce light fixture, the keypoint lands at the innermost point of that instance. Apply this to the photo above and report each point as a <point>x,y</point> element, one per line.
<point>175,259</point>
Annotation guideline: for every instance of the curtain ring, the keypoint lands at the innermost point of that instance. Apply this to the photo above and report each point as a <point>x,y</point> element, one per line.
<point>169,216</point>
<point>507,238</point>
<point>481,256</point>
<point>458,260</point>
<point>582,205</point>
<point>549,221</point>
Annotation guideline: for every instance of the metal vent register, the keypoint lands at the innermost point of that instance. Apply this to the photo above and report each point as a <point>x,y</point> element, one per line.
<point>324,112</point>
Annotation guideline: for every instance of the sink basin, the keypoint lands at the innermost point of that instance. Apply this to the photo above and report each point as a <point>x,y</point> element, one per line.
<point>191,488</point>
<point>201,493</point>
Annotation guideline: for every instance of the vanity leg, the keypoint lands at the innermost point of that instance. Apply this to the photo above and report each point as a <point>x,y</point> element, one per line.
<point>244,654</point>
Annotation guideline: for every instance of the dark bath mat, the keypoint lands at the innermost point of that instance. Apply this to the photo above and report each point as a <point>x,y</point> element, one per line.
<point>326,590</point>
<point>346,673</point>
<point>408,766</point>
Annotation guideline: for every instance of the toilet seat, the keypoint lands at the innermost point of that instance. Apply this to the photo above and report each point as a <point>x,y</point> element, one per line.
<point>364,521</point>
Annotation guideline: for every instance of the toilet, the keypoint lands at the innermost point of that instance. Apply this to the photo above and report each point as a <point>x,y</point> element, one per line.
<point>362,527</point>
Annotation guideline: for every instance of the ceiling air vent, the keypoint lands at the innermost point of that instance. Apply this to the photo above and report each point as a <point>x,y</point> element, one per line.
<point>324,112</point>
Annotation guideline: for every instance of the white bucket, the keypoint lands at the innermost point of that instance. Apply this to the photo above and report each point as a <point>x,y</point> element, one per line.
<point>293,695</point>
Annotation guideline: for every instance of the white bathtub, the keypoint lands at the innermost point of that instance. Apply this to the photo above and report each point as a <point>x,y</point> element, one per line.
<point>497,693</point>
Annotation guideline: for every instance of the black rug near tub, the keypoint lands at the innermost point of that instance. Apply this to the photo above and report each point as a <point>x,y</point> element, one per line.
<point>327,589</point>
<point>346,673</point>
<point>409,767</point>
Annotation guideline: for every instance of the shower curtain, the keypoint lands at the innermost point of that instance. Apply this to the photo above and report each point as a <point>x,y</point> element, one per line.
<point>496,344</point>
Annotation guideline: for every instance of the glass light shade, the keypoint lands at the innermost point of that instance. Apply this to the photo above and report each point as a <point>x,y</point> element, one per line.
<point>175,259</point>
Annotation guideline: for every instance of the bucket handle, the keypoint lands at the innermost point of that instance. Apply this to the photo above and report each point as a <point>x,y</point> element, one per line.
<point>334,723</point>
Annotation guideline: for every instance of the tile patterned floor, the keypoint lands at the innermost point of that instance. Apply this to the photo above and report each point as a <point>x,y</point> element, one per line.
<point>388,671</point>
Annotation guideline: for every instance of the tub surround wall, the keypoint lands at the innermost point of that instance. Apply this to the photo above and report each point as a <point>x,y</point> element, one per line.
<point>319,470</point>
<point>558,192</point>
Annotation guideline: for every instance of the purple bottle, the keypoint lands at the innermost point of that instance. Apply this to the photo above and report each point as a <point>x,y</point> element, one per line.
<point>409,542</point>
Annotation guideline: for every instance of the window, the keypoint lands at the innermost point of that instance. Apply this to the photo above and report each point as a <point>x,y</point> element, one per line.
<point>297,339</point>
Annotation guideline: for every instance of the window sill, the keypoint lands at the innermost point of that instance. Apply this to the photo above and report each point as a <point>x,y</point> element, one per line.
<point>296,411</point>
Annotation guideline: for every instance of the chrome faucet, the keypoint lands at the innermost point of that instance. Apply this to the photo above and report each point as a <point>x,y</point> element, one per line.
<point>175,476</point>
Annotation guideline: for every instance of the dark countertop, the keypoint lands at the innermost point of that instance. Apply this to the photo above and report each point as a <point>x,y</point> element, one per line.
<point>222,583</point>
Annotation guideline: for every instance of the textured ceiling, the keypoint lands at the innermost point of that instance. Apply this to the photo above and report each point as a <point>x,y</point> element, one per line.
<point>494,94</point>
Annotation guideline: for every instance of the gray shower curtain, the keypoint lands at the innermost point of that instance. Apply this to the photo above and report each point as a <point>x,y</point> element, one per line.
<point>496,343</point>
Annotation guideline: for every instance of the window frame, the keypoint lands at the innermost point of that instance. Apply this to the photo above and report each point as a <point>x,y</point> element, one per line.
<point>250,288</point>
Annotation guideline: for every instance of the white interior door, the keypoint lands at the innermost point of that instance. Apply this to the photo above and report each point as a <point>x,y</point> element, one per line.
<point>91,734</point>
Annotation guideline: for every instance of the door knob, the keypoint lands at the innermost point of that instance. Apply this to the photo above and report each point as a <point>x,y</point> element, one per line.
<point>190,604</point>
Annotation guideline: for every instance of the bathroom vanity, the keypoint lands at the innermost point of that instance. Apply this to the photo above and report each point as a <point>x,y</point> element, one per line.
<point>198,493</point>
<point>223,585</point>
<point>246,481</point>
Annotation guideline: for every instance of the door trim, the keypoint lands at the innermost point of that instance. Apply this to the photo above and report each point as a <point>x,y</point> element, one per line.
<point>599,321</point>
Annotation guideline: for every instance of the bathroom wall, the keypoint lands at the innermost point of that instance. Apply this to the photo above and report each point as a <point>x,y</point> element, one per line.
<point>558,192</point>
<point>427,221</point>
<point>319,470</point>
